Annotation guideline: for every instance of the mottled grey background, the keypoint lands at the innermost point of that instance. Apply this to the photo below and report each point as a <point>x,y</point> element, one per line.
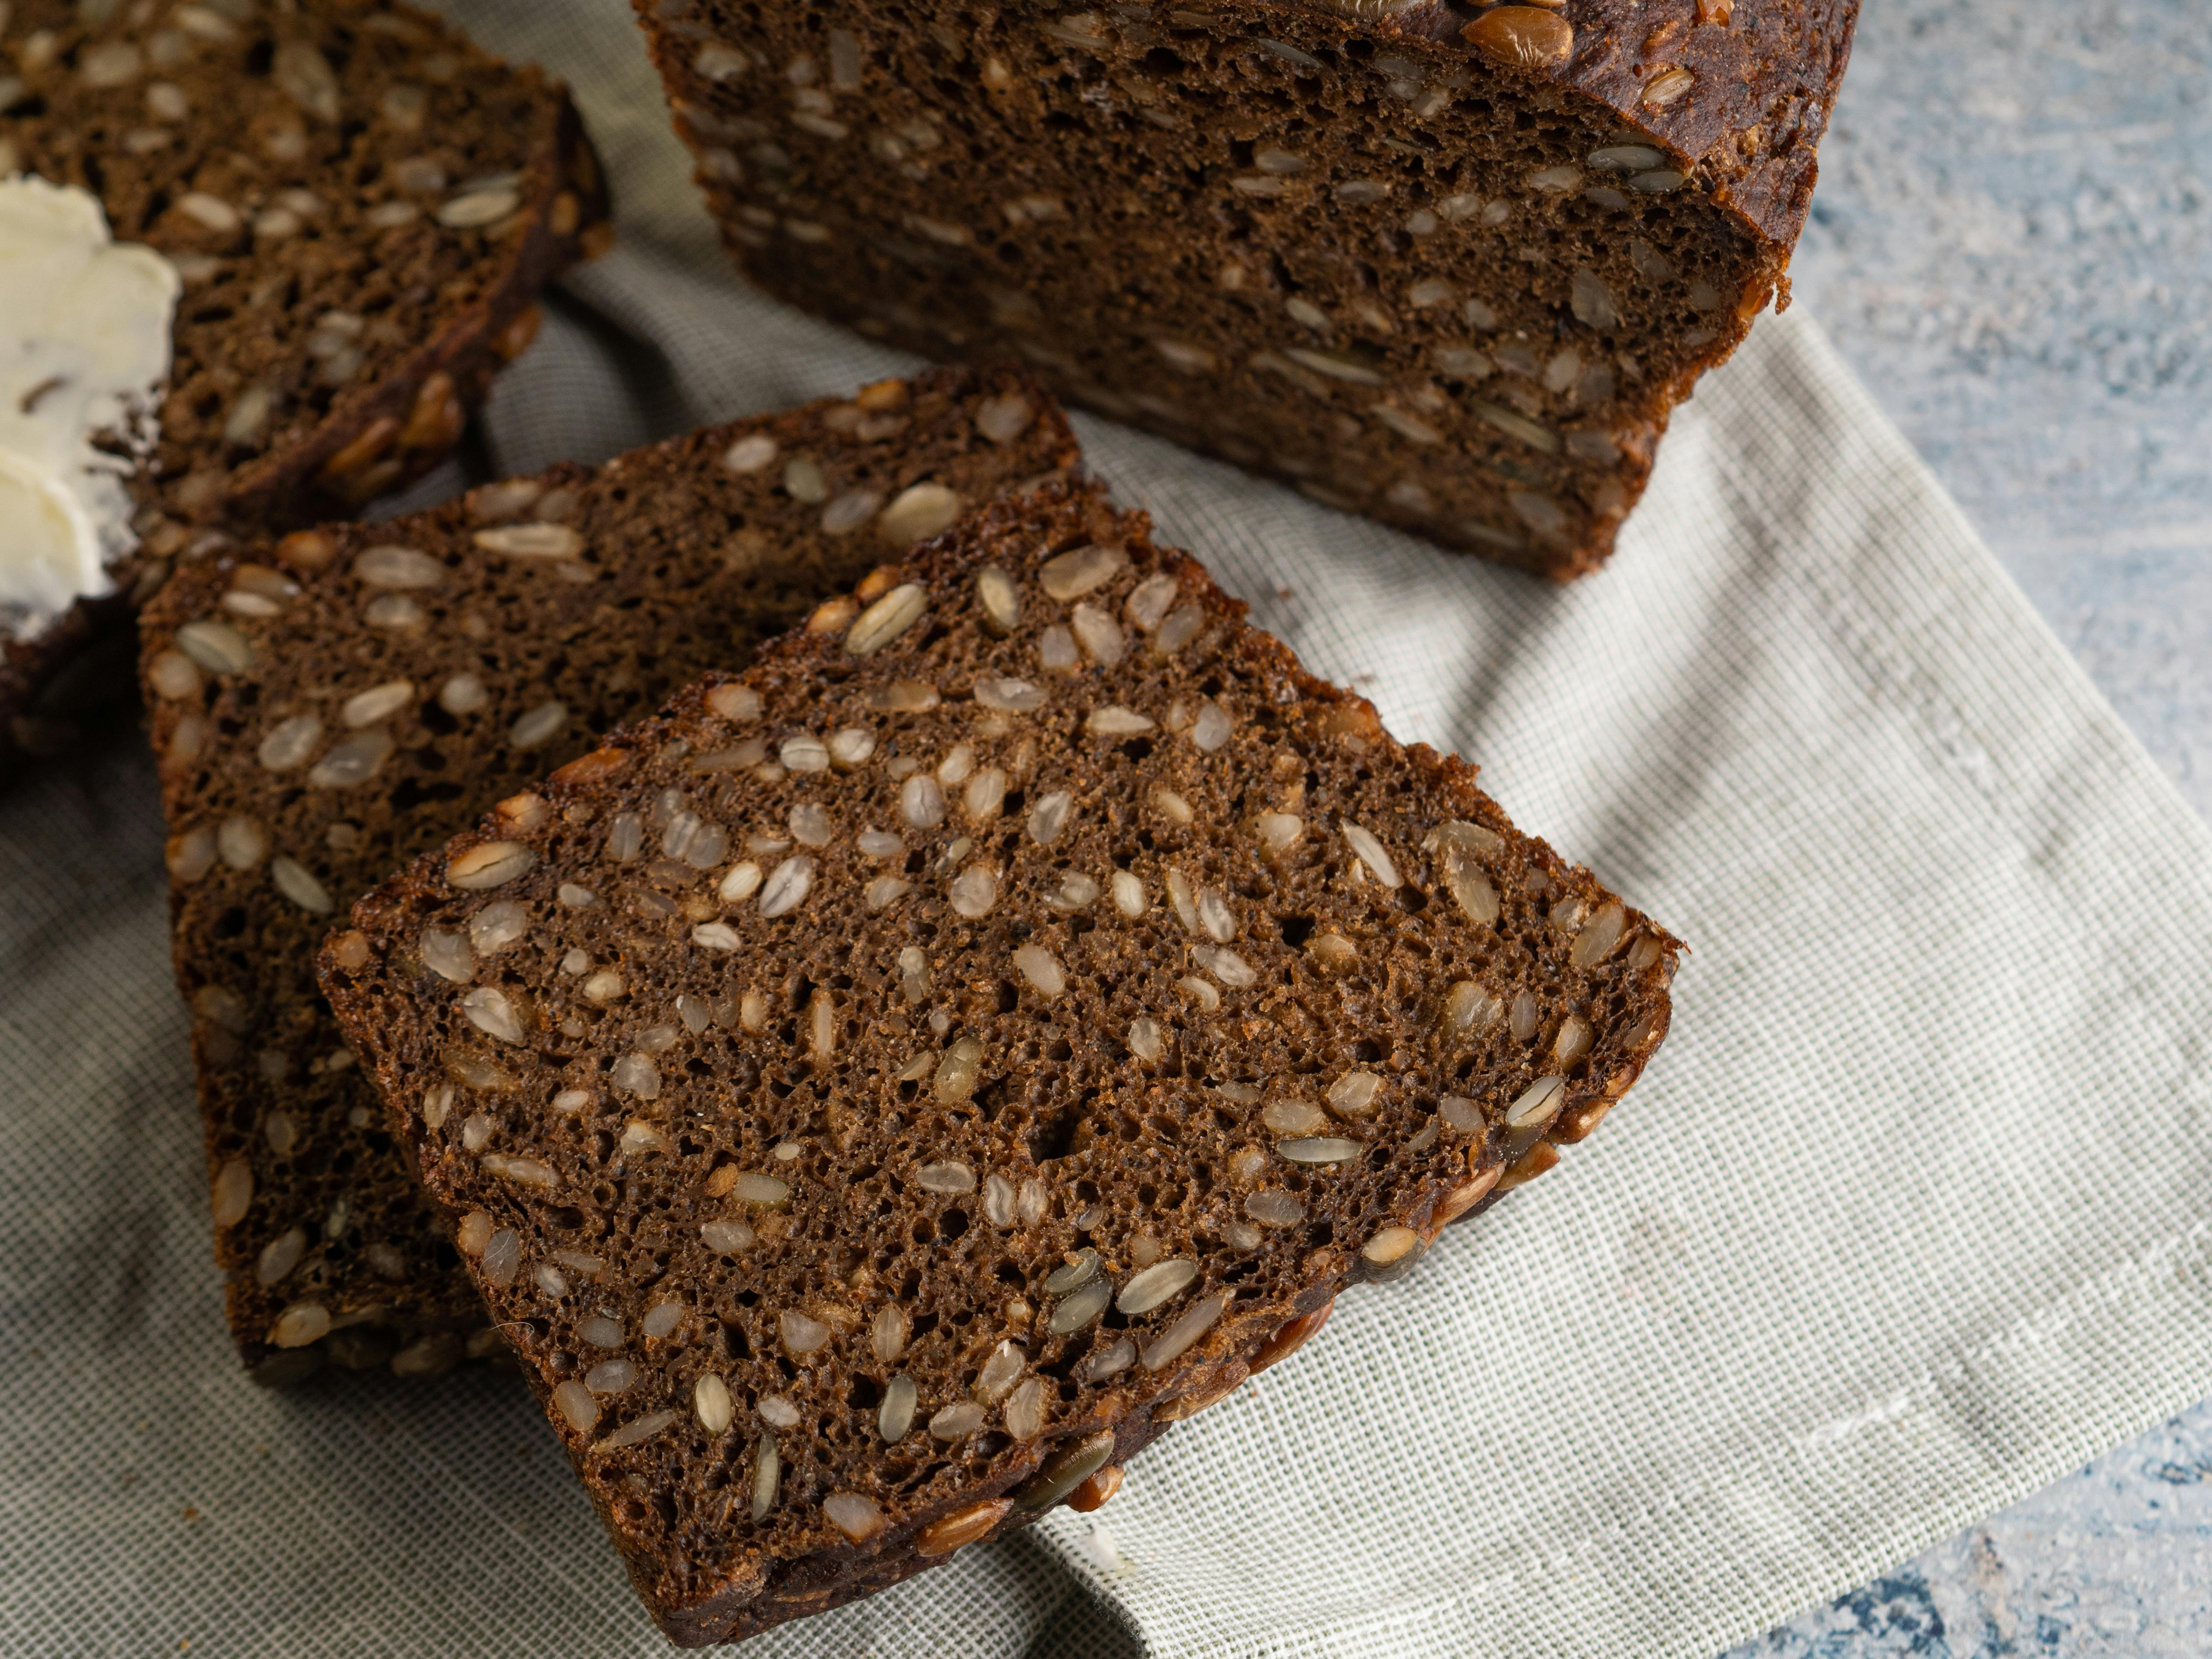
<point>2012,245</point>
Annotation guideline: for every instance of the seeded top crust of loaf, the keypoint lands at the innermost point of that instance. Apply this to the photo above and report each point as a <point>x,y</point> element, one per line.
<point>1445,265</point>
<point>912,1073</point>
<point>363,206</point>
<point>326,708</point>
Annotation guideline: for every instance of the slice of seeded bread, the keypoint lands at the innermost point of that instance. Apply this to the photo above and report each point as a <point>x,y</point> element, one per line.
<point>363,207</point>
<point>881,1092</point>
<point>326,708</point>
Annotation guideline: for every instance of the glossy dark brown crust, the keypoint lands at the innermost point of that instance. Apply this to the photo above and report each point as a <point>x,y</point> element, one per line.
<point>1766,81</point>
<point>1133,140</point>
<point>688,569</point>
<point>703,1570</point>
<point>375,437</point>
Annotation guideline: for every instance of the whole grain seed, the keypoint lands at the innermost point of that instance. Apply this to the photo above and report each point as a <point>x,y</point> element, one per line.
<point>377,703</point>
<point>1522,1020</point>
<point>921,801</point>
<point>964,1525</point>
<point>950,1177</point>
<point>1056,650</point>
<point>447,955</point>
<point>1072,575</point>
<point>1182,627</point>
<point>974,891</point>
<point>787,886</point>
<point>1098,633</point>
<point>294,881</point>
<point>998,1201</point>
<point>1573,1042</point>
<point>888,618</point>
<point>636,1074</point>
<point>301,1323</point>
<point>1116,722</point>
<point>1008,696</point>
<point>1353,1094</point>
<point>1272,1207</point>
<point>1149,601</point>
<point>1172,806</point>
<point>352,761</point>
<point>501,1257</point>
<point>958,1071</point>
<point>918,513</point>
<point>611,1376</point>
<point>887,1333</point>
<point>850,746</point>
<point>1040,968</point>
<point>768,1475</point>
<point>1371,852</point>
<point>1180,1337</point>
<point>985,795</point>
<point>1318,1150</point>
<point>489,864</point>
<point>1293,1117</point>
<point>290,742</point>
<point>884,892</point>
<point>957,1421</point>
<point>1160,1283</point>
<point>1537,1104</point>
<point>1144,1039</point>
<point>895,1417</point>
<point>279,1256</point>
<point>463,694</point>
<point>725,1238</point>
<point>1129,898</point>
<point>215,646</point>
<point>1025,1417</point>
<point>523,1171</point>
<point>1110,1362</point>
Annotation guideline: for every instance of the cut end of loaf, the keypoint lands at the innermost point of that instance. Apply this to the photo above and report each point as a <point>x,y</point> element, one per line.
<point>1450,277</point>
<point>916,1071</point>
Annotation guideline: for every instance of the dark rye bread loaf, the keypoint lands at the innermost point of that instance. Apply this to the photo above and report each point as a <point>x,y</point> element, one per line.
<point>891,1086</point>
<point>1448,266</point>
<point>327,708</point>
<point>363,207</point>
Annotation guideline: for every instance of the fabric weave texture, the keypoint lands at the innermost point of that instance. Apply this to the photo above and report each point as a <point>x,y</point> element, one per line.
<point>1910,1216</point>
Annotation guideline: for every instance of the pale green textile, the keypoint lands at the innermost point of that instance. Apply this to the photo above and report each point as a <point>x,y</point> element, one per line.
<point>1910,1217</point>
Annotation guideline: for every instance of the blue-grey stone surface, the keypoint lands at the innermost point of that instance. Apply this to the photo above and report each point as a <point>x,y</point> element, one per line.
<point>2012,245</point>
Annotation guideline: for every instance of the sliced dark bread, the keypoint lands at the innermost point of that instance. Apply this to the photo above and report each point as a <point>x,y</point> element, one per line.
<point>1451,265</point>
<point>326,708</point>
<point>363,206</point>
<point>881,1092</point>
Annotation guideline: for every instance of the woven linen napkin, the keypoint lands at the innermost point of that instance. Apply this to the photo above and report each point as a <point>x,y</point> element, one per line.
<point>1911,1215</point>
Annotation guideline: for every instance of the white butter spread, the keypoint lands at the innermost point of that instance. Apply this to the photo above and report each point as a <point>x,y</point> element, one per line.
<point>84,350</point>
